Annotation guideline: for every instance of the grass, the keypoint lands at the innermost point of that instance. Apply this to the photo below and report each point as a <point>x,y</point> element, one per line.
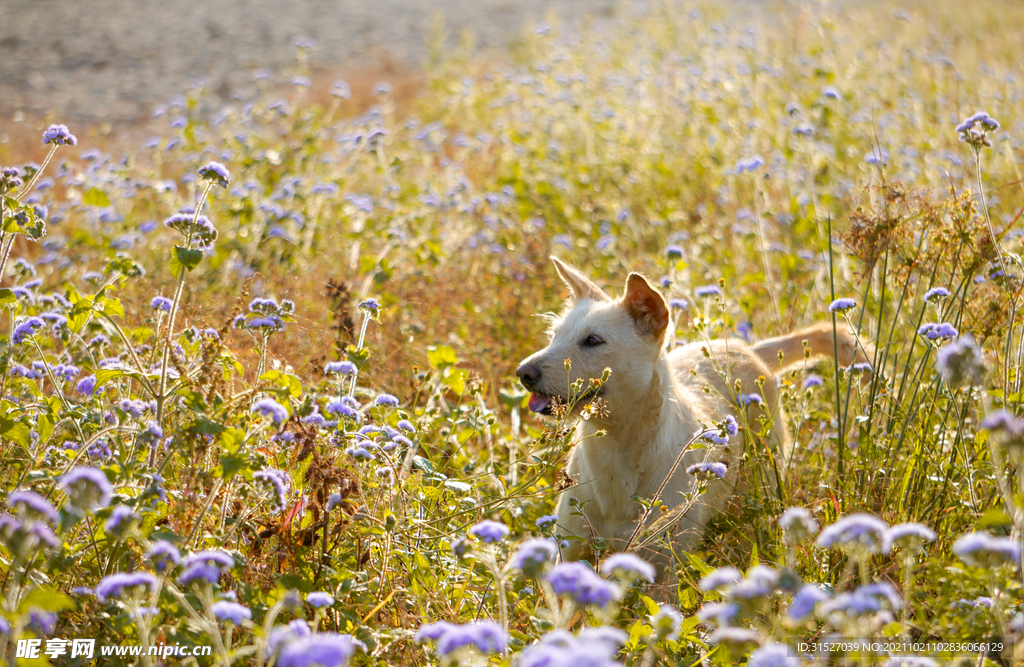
<point>605,146</point>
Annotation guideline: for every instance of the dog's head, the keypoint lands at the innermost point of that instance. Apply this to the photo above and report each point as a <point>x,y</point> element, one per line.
<point>595,332</point>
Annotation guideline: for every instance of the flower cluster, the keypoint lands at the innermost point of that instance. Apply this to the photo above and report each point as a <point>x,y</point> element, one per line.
<point>485,636</point>
<point>975,128</point>
<point>582,584</point>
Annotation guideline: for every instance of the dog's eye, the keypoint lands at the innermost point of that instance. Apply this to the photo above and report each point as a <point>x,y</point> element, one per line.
<point>593,340</point>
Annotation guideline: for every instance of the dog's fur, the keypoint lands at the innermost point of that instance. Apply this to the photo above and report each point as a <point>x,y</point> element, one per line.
<point>656,401</point>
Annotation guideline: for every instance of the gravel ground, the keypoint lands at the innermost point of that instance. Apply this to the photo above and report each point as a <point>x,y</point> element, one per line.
<point>110,60</point>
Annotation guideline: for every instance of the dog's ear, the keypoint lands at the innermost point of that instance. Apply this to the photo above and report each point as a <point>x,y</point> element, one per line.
<point>581,286</point>
<point>645,305</point>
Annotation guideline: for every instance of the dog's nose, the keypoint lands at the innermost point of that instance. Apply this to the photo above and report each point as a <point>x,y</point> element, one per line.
<point>528,375</point>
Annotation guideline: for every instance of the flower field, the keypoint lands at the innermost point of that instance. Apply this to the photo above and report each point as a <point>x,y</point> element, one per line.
<point>257,392</point>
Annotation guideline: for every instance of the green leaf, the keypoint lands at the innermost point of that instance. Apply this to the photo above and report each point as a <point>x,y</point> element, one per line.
<point>105,375</point>
<point>232,460</point>
<point>442,356</point>
<point>203,426</point>
<point>7,298</point>
<point>285,382</point>
<point>47,598</point>
<point>185,259</point>
<point>15,431</point>
<point>96,197</point>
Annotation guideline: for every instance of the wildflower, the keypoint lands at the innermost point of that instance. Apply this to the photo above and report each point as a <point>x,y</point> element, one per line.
<point>386,400</point>
<point>830,92</point>
<point>60,135</point>
<point>341,408</point>
<point>857,531</point>
<point>667,623</point>
<point>937,330</point>
<point>226,610</point>
<point>546,521</point>
<point>859,367</point>
<point>489,531</point>
<point>118,516</point>
<point>198,229</point>
<point>908,536</point>
<point>215,557</point>
<point>936,294</point>
<point>371,307</point>
<point>704,470</point>
<point>340,367</point>
<point>984,550</point>
<point>26,328</point>
<point>87,488</point>
<point>31,505</point>
<point>631,567</point>
<point>341,90</point>
<point>772,655</point>
<point>320,599</point>
<point>485,636</point>
<point>325,649</point>
<point>812,380</point>
<point>842,305</point>
<point>163,555</point>
<point>216,173</point>
<point>975,128</point>
<point>533,555</point>
<point>278,480</point>
<point>797,525</point>
<point>268,407</point>
<point>679,304</point>
<point>674,252</point>
<point>805,600</point>
<point>161,303</point>
<point>708,291</point>
<point>751,399</point>
<point>721,613</point>
<point>582,584</point>
<point>749,164</point>
<point>283,634</point>
<point>115,584</point>
<point>41,623</point>
<point>961,362</point>
<point>1005,427</point>
<point>759,582</point>
<point>720,578</point>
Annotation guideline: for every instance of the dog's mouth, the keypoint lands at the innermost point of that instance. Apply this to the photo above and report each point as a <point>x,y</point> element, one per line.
<point>542,403</point>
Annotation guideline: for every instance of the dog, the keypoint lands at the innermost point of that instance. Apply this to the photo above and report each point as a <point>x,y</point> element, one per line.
<point>653,403</point>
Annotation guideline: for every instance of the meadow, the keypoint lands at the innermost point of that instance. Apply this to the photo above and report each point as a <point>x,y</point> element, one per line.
<point>257,385</point>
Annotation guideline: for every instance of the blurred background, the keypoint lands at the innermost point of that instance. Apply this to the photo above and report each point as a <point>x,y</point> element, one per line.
<point>107,61</point>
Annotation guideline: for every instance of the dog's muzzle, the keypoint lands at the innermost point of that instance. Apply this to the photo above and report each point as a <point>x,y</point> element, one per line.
<point>529,376</point>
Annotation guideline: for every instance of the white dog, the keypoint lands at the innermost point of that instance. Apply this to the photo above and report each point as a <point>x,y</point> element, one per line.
<point>655,402</point>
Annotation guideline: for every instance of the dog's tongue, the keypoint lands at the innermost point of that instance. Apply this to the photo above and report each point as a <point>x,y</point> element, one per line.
<point>538,402</point>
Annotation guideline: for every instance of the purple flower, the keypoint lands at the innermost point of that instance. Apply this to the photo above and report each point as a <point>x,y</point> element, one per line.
<point>937,330</point>
<point>279,481</point>
<point>370,306</point>
<point>406,425</point>
<point>485,636</point>
<point>86,386</point>
<point>857,531</point>
<point>386,400</point>
<point>320,599</point>
<point>60,135</point>
<point>708,290</point>
<point>720,578</point>
<point>961,362</point>
<point>26,328</point>
<point>797,524</point>
<point>324,649</point>
<point>812,380</point>
<point>667,622</point>
<point>630,565</point>
<point>751,399</point>
<point>163,555</point>
<point>705,469</point>
<point>679,304</point>
<point>283,634</point>
<point>737,637</point>
<point>41,623</point>
<point>674,252</point>
<point>936,294</point>
<point>533,555</point>
<point>489,531</point>
<point>199,572</point>
<point>342,408</point>
<point>547,520</point>
<point>341,367</point>
<point>805,600</point>
<point>749,164</point>
<point>31,505</point>
<point>721,613</point>
<point>772,655</point>
<point>216,173</point>
<point>842,305</point>
<point>115,584</point>
<point>226,610</point>
<point>161,303</point>
<point>984,550</point>
<point>908,536</point>
<point>87,488</point>
<point>582,584</point>
<point>118,515</point>
<point>830,92</point>
<point>215,557</point>
<point>341,90</point>
<point>268,407</point>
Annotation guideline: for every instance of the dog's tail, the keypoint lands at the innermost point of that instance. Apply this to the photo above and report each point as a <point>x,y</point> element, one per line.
<point>783,352</point>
